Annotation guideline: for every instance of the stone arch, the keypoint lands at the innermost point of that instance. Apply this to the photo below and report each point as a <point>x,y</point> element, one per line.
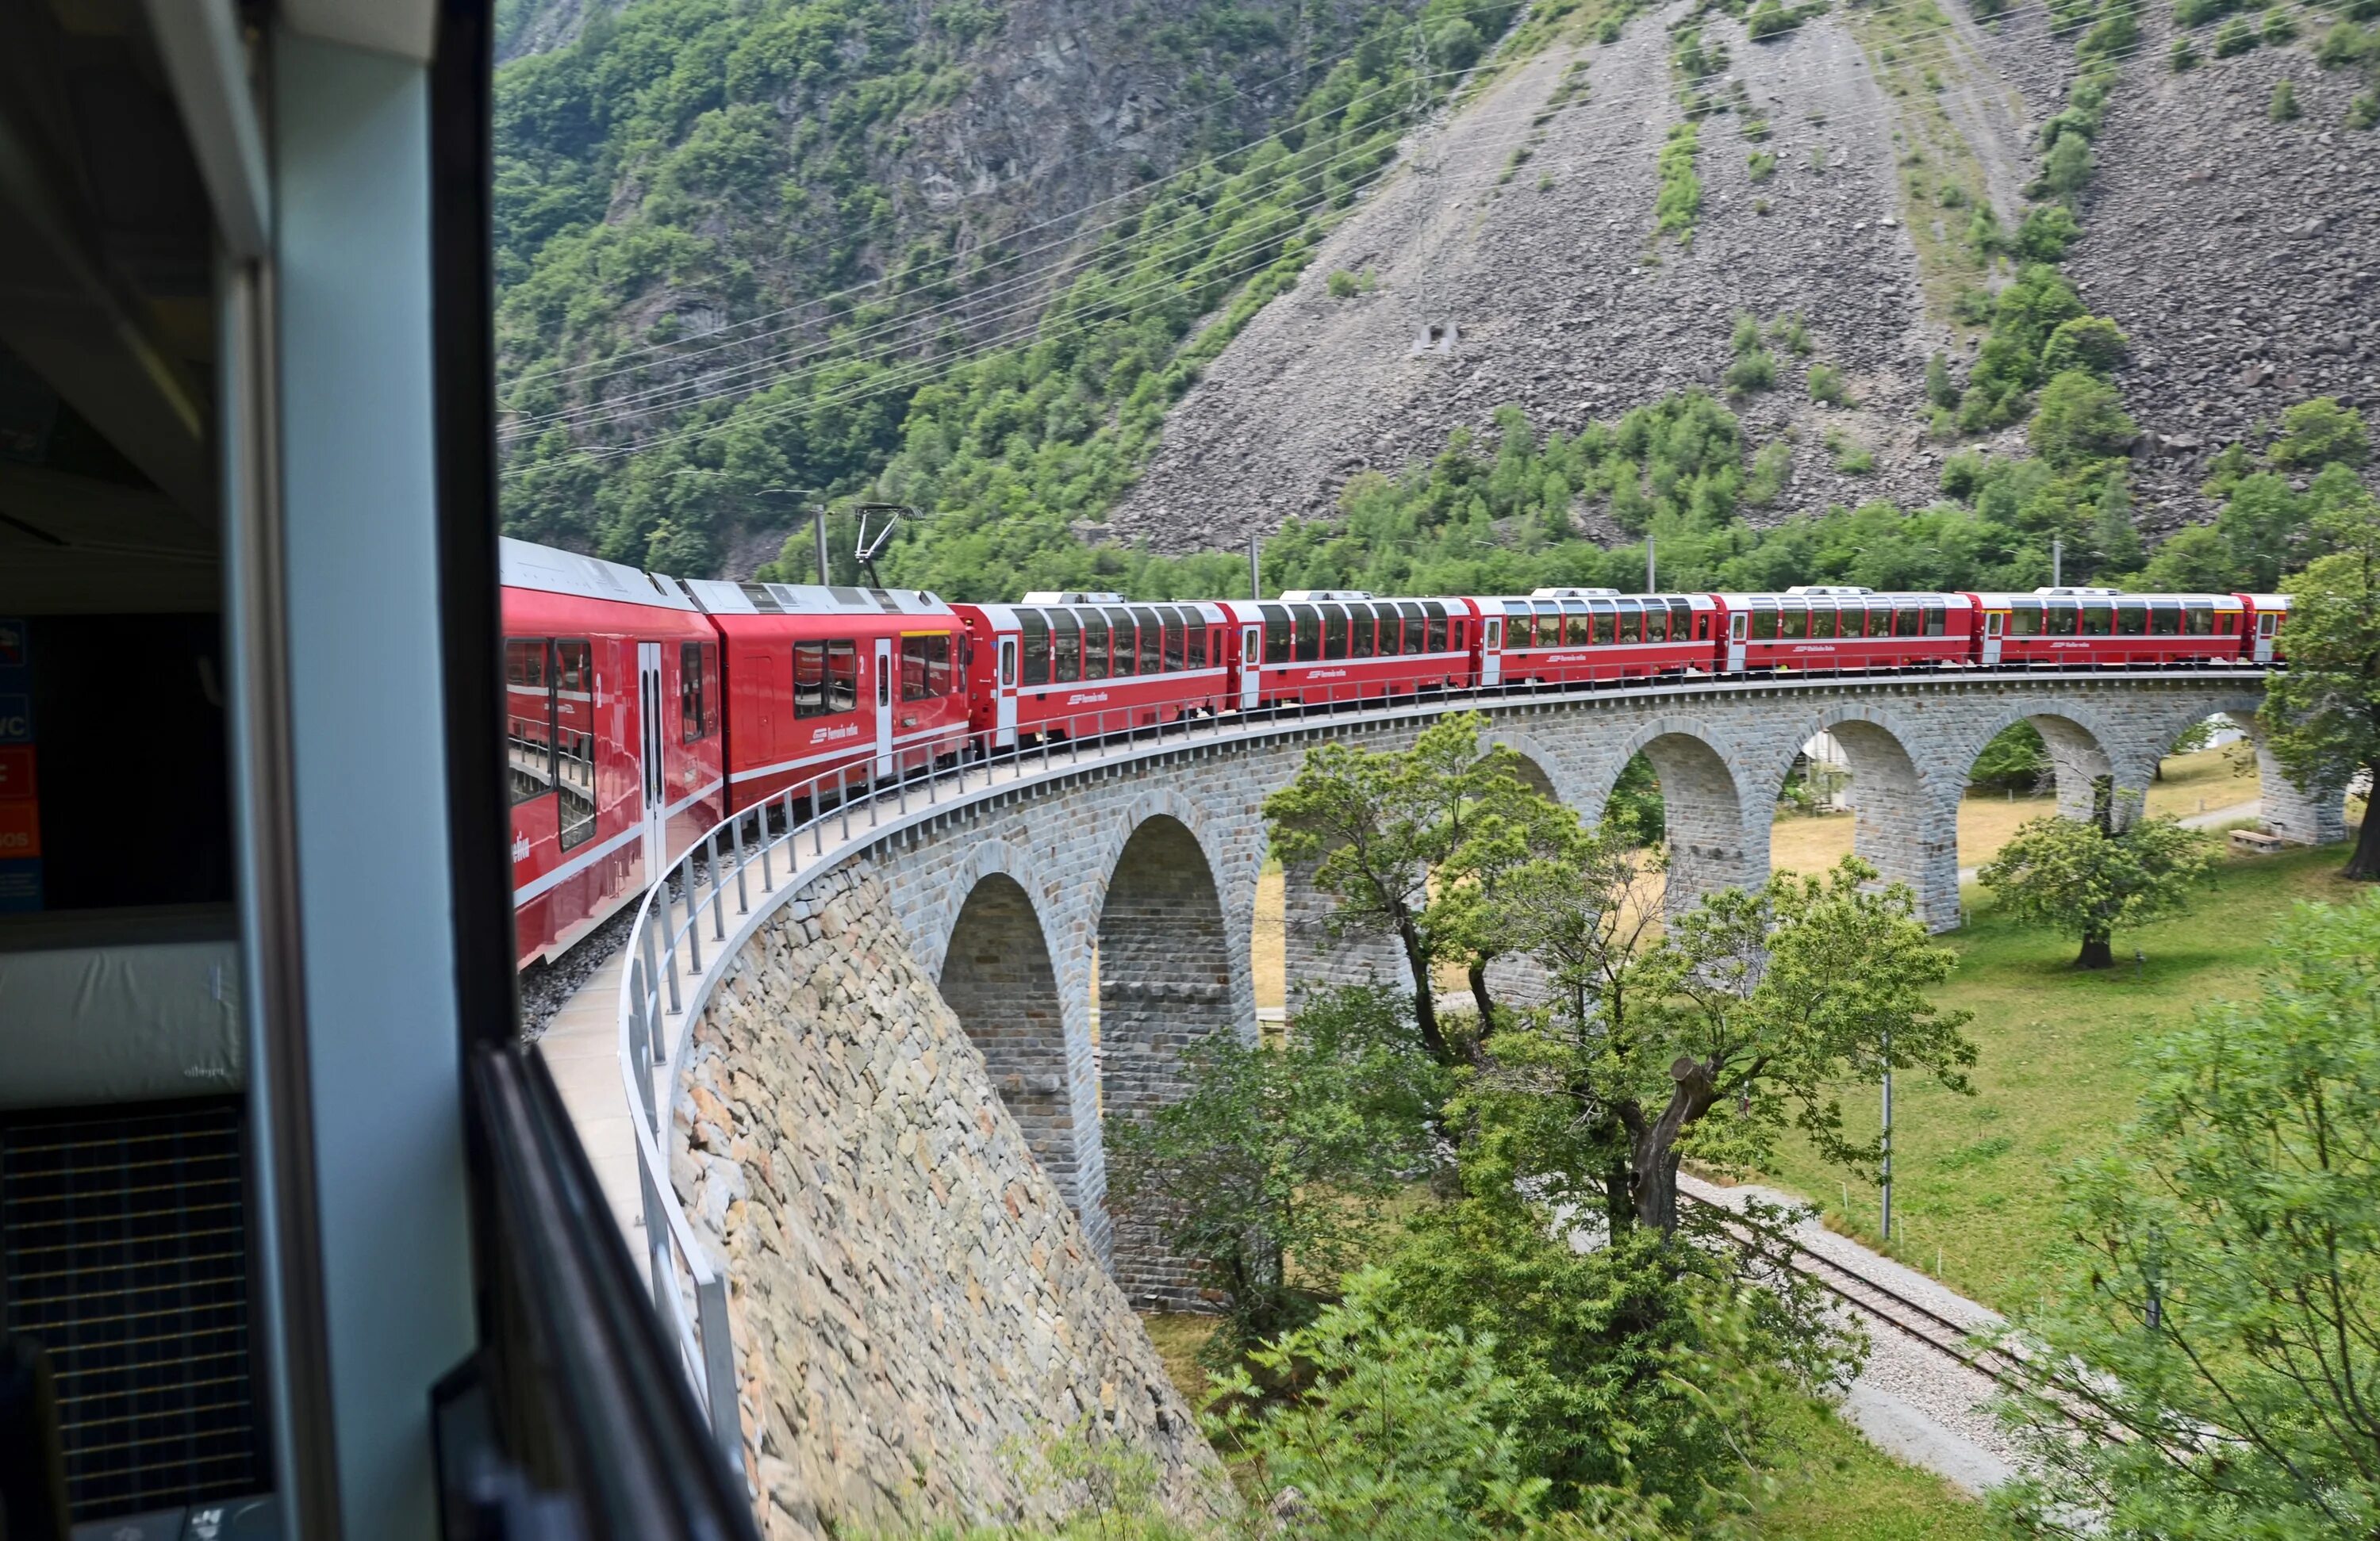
<point>2097,768</point>
<point>1709,845</point>
<point>2304,816</point>
<point>1166,980</point>
<point>1904,807</point>
<point>998,979</point>
<point>1545,770</point>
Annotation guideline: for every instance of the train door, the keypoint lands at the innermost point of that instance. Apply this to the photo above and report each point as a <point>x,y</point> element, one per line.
<point>1005,695</point>
<point>2267,623</point>
<point>652,783</point>
<point>1491,651</point>
<point>883,708</point>
<point>1739,626</point>
<point>1251,666</point>
<point>1993,621</point>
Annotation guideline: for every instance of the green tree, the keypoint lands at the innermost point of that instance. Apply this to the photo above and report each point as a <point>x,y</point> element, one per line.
<point>2079,418</point>
<point>2015,760</point>
<point>1712,1038</point>
<point>2091,343</point>
<point>2219,1330</point>
<point>2321,432</point>
<point>2322,714</point>
<point>2284,107</point>
<point>1273,1167</point>
<point>1394,1431</point>
<point>2070,875</point>
<point>1378,824</point>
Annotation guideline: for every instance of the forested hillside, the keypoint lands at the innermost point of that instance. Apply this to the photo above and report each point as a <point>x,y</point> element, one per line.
<point>1892,292</point>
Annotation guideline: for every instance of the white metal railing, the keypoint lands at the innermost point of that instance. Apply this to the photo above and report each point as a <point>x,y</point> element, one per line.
<point>732,878</point>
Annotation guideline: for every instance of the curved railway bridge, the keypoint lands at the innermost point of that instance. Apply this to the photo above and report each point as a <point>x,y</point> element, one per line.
<point>1130,865</point>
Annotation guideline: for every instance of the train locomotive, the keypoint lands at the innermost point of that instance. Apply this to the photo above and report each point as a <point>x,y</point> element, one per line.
<point>641,709</point>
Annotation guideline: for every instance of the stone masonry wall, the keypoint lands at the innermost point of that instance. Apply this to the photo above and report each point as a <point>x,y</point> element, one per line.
<point>918,1314</point>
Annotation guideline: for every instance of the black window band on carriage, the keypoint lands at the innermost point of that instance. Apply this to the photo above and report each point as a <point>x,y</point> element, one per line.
<point>1306,625</point>
<point>1278,633</point>
<point>925,670</point>
<point>1152,639</point>
<point>1066,649</point>
<point>698,666</point>
<point>1415,635</point>
<point>1095,645</point>
<point>528,717</point>
<point>573,740</point>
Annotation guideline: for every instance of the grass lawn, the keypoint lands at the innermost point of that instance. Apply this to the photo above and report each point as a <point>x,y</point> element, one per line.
<point>1972,1190</point>
<point>1835,1485</point>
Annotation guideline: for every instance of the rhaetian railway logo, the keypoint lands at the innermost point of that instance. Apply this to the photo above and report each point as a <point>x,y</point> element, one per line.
<point>1087,697</point>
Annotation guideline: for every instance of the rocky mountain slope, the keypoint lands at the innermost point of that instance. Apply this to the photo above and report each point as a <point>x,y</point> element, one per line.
<point>2237,253</point>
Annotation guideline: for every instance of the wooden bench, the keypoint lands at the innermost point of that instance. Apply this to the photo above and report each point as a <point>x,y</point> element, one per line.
<point>2256,842</point>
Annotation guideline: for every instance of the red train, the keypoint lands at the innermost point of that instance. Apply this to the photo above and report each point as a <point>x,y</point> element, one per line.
<point>779,685</point>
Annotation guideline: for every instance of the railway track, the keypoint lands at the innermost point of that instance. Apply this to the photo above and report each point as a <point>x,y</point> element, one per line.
<point>1877,1301</point>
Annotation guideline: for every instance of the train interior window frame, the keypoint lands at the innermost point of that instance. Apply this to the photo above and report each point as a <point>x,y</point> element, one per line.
<point>541,650</point>
<point>574,755</point>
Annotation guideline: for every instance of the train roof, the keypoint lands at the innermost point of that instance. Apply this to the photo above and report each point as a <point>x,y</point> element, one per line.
<point>1896,596</point>
<point>1576,597</point>
<point>1005,615</point>
<point>718,597</point>
<point>525,564</point>
<point>2108,596</point>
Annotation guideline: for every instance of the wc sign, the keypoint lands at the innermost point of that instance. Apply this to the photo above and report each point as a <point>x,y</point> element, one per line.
<point>20,807</point>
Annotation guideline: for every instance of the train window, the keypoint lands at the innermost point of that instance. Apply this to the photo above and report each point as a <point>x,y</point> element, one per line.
<point>1434,624</point>
<point>1066,649</point>
<point>693,720</point>
<point>1413,640</point>
<point>843,676</point>
<point>1176,641</point>
<point>2131,620</point>
<point>2098,620</point>
<point>2198,620</point>
<point>2024,618</point>
<point>1821,621</point>
<point>1576,628</point>
<point>2058,620</point>
<point>574,739</point>
<point>1363,624</point>
<point>1034,636</point>
<point>1124,632</point>
<point>1152,639</point>
<point>529,719</point>
<point>1602,619</point>
<point>925,666</point>
<point>1907,620</point>
<point>1095,644</point>
<point>2165,620</point>
<point>1764,626</point>
<point>1334,631</point>
<point>1008,660</point>
<point>1276,632</point>
<point>1628,617</point>
<point>1937,621</point>
<point>1792,624</point>
<point>809,679</point>
<point>1682,620</point>
<point>1549,625</point>
<point>1656,621</point>
<point>1308,629</point>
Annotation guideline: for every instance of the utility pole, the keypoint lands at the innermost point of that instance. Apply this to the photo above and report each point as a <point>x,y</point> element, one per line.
<point>819,527</point>
<point>1650,587</point>
<point>1255,578</point>
<point>2056,561</point>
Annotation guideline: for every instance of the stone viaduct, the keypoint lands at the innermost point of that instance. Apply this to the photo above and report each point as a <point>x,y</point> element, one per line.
<point>1135,875</point>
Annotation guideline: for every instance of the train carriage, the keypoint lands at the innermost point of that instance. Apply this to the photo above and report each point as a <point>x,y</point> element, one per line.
<point>1321,647</point>
<point>861,683</point>
<point>2103,627</point>
<point>1079,664</point>
<point>1569,635</point>
<point>1817,628</point>
<point>611,741</point>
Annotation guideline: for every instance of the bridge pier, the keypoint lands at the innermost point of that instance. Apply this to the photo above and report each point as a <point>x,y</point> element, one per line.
<point>2318,817</point>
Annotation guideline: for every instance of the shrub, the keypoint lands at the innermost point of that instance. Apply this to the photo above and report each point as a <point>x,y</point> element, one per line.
<point>1939,388</point>
<point>1771,469</point>
<point>1972,307</point>
<point>2197,13</point>
<point>1746,335</point>
<point>2364,111</point>
<point>1342,285</point>
<point>2079,419</point>
<point>1761,165</point>
<point>1951,196</point>
<point>2234,36</point>
<point>1851,458</point>
<point>1827,385</point>
<point>1791,333</point>
<point>2066,168</point>
<point>2091,343</point>
<point>2047,233</point>
<point>1768,19</point>
<point>2343,43</point>
<point>1756,370</point>
<point>2184,58</point>
<point>2281,28</point>
<point>1681,197</point>
<point>2321,432</point>
<point>2284,108</point>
